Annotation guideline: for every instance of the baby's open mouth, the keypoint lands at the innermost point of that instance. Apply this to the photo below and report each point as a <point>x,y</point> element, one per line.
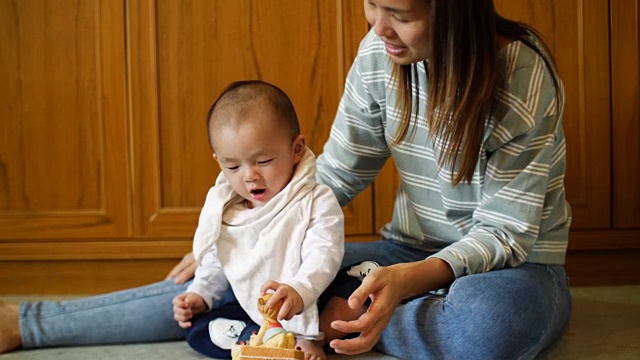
<point>257,191</point>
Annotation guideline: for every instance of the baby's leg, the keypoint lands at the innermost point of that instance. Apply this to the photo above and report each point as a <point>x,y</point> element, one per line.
<point>312,349</point>
<point>337,308</point>
<point>214,333</point>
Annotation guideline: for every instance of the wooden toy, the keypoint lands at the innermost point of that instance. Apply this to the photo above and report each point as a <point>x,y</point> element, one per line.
<point>272,341</point>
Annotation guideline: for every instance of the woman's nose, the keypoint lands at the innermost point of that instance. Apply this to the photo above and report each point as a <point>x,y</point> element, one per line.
<point>381,25</point>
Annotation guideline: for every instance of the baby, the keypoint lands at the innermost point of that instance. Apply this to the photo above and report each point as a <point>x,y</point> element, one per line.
<point>266,226</point>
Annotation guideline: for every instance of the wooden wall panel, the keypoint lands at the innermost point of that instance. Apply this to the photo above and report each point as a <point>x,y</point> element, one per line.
<point>625,72</point>
<point>74,277</point>
<point>72,221</point>
<point>184,53</point>
<point>81,276</point>
<point>63,146</point>
<point>577,32</point>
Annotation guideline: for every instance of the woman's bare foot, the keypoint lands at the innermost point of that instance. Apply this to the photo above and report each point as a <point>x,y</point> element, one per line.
<point>9,327</point>
<point>312,349</point>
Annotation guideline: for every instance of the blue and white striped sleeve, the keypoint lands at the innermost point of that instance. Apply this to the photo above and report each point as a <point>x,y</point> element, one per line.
<point>521,152</point>
<point>356,149</point>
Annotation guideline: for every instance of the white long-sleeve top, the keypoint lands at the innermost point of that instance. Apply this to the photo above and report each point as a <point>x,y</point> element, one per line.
<point>297,238</point>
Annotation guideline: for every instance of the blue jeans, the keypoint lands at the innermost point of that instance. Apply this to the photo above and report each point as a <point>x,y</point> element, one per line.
<point>512,313</point>
<point>143,314</point>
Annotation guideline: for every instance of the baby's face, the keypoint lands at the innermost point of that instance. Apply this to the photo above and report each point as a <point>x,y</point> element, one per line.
<point>257,157</point>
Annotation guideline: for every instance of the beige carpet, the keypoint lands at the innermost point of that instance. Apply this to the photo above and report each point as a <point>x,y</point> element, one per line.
<point>605,325</point>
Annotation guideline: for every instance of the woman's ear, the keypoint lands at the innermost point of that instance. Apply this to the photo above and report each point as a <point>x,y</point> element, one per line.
<point>299,146</point>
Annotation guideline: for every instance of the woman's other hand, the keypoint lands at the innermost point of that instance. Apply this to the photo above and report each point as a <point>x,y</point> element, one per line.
<point>184,270</point>
<point>387,287</point>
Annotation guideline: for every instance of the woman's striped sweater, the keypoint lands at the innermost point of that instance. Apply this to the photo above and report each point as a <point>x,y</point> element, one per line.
<point>513,211</point>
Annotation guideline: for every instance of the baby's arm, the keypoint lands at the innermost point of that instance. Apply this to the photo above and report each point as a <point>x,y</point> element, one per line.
<point>205,291</point>
<point>209,282</point>
<point>186,306</point>
<point>322,249</point>
<point>292,301</point>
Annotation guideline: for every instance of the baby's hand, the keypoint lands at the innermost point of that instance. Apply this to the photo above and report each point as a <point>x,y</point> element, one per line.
<point>186,306</point>
<point>292,304</point>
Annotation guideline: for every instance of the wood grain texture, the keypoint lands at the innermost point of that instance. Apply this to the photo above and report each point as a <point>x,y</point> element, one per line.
<point>63,146</point>
<point>97,249</point>
<point>184,53</point>
<point>604,267</point>
<point>104,162</point>
<point>584,268</point>
<point>625,92</point>
<point>80,277</point>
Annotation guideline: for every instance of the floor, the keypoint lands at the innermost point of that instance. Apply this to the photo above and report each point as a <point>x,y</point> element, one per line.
<point>605,325</point>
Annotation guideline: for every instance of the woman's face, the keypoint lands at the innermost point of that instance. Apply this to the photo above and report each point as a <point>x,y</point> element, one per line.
<point>404,26</point>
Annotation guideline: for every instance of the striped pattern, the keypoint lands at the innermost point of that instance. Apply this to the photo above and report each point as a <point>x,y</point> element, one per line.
<point>513,211</point>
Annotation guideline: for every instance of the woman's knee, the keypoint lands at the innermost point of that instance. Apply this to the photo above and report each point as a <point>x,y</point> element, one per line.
<point>493,317</point>
<point>506,314</point>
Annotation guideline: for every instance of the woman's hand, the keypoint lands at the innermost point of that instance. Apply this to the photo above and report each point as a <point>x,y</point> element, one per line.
<point>384,286</point>
<point>184,270</point>
<point>387,287</point>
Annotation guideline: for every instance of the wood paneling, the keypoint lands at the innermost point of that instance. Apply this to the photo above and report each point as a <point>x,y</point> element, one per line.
<point>184,53</point>
<point>577,33</point>
<point>625,91</point>
<point>80,277</point>
<point>63,134</point>
<point>104,161</point>
<point>96,249</point>
<point>614,267</point>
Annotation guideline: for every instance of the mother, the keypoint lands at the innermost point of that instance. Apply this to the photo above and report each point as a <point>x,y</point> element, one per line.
<point>469,106</point>
<point>470,109</point>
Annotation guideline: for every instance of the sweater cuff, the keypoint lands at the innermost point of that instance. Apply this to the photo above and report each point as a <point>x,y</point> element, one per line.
<point>465,258</point>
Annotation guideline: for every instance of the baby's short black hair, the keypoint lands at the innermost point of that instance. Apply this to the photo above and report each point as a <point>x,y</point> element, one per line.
<point>241,96</point>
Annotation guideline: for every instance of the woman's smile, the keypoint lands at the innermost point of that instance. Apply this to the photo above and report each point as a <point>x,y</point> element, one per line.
<point>394,50</point>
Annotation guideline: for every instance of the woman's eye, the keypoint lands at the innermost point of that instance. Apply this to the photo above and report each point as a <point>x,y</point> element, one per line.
<point>399,18</point>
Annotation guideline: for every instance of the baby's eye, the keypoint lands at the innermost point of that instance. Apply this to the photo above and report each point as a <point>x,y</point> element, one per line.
<point>232,168</point>
<point>265,162</point>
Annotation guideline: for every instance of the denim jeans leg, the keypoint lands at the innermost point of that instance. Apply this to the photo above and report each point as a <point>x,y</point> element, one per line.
<point>511,313</point>
<point>142,314</point>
